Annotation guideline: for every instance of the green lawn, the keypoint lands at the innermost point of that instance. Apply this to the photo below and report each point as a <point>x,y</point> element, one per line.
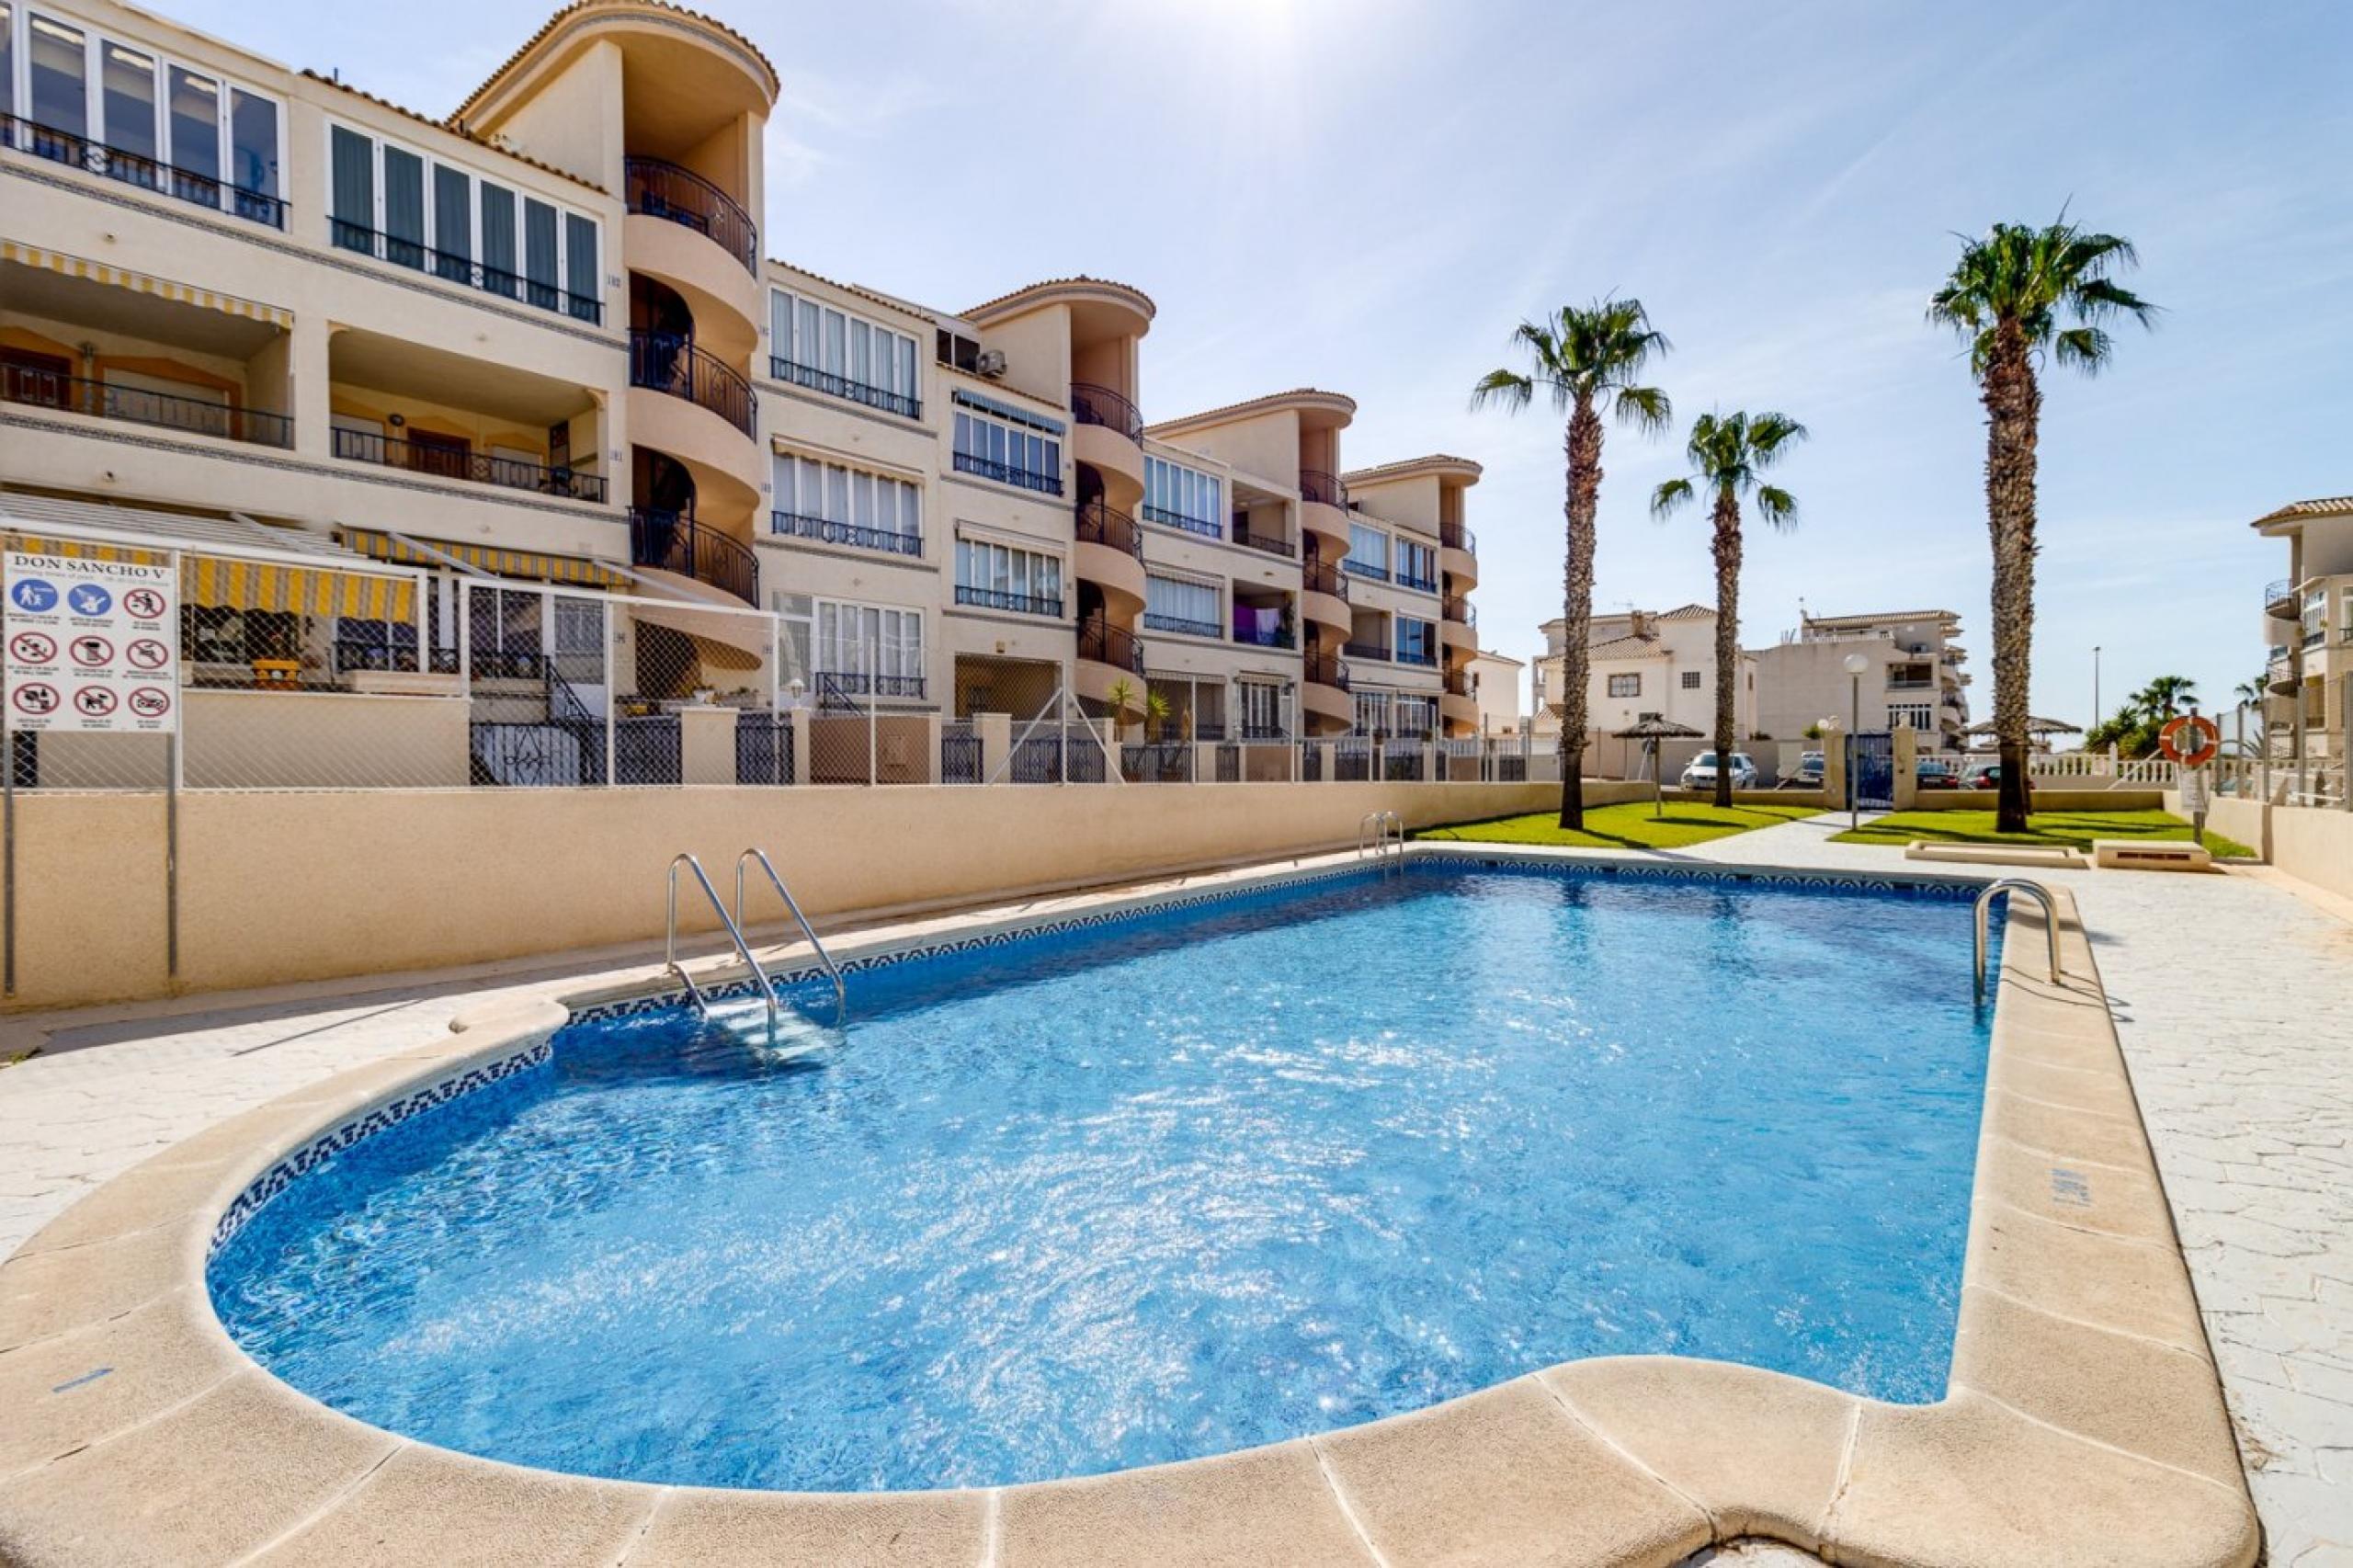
<point>1628,826</point>
<point>2075,829</point>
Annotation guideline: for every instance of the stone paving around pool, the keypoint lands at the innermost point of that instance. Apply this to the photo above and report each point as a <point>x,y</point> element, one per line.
<point>2232,996</point>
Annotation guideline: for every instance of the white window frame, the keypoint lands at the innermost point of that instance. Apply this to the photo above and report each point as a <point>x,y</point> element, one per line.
<point>785,326</point>
<point>1180,490</point>
<point>841,487</point>
<point>1011,569</point>
<point>1631,685</point>
<point>888,622</point>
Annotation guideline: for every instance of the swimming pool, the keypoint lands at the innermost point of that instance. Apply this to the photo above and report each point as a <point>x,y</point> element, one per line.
<point>1166,1186</point>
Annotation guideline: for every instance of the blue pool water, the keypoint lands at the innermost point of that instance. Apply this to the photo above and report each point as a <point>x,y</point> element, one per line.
<point>1166,1187</point>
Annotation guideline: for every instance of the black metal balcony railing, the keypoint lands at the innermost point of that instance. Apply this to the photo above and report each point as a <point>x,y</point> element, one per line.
<point>463,271</point>
<point>1207,528</point>
<point>843,387</point>
<point>1273,544</point>
<point>2281,592</point>
<point>1454,536</point>
<point>1458,683</point>
<point>667,362</point>
<point>353,652</point>
<point>1357,568</point>
<point>674,541</point>
<point>1098,524</point>
<point>826,531</point>
<point>657,189</point>
<point>137,169</point>
<point>1420,584</point>
<point>1005,473</point>
<point>1104,643</point>
<point>1378,652</point>
<point>459,463</point>
<point>1423,657</point>
<point>1155,621</point>
<point>1092,405</point>
<point>1314,485</point>
<point>860,683</point>
<point>1326,669</point>
<point>998,599</point>
<point>1322,577</point>
<point>1263,636</point>
<point>134,405</point>
<point>1461,611</point>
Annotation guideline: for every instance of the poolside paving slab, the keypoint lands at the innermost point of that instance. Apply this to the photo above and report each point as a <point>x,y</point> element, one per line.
<point>429,1506</point>
<point>1243,1510</point>
<point>67,1392</point>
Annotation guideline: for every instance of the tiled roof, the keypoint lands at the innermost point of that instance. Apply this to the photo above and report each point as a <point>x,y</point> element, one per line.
<point>1629,648</point>
<point>2330,507</point>
<point>864,293</point>
<point>1078,280</point>
<point>1689,612</point>
<point>454,128</point>
<point>1882,617</point>
<point>1406,465</point>
<point>1253,403</point>
<point>556,19</point>
<point>1501,658</point>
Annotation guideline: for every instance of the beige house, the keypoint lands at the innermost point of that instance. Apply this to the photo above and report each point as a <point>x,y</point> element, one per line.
<point>1496,687</point>
<point>534,356</point>
<point>1913,676</point>
<point>2308,631</point>
<point>1645,662</point>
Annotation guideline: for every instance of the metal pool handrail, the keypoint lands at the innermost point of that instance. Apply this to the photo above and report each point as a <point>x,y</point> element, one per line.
<point>2013,886</point>
<point>832,970</point>
<point>1380,822</point>
<point>734,933</point>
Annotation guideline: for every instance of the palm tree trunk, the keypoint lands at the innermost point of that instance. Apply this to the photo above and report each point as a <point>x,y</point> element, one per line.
<point>1727,551</point>
<point>1583,444</point>
<point>2013,405</point>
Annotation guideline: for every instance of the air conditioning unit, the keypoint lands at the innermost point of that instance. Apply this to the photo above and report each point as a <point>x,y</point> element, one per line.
<point>990,362</point>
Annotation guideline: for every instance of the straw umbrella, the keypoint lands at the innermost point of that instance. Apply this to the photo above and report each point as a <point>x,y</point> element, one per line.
<point>2036,728</point>
<point>1650,732</point>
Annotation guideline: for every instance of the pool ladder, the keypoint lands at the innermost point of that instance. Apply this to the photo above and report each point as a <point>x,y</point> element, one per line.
<point>2012,887</point>
<point>1375,831</point>
<point>734,933</point>
<point>833,971</point>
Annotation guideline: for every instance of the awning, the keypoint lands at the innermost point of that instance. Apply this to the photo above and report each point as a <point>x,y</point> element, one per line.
<point>536,565</point>
<point>722,640</point>
<point>123,278</point>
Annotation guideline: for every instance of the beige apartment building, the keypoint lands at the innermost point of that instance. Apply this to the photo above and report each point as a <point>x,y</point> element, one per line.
<point>2308,632</point>
<point>574,448</point>
<point>1913,677</point>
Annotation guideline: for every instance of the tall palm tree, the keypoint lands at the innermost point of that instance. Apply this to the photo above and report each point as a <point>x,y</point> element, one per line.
<point>2006,296</point>
<point>1588,359</point>
<point>1728,453</point>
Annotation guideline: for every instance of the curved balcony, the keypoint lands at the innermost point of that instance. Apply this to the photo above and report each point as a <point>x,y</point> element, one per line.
<point>653,188</point>
<point>1110,555</point>
<point>666,362</point>
<point>1323,509</point>
<point>1459,636</point>
<point>1106,432</point>
<point>1092,405</point>
<point>1324,692</point>
<point>2281,601</point>
<point>1107,654</point>
<point>1458,553</point>
<point>675,542</point>
<point>1324,596</point>
<point>1460,712</point>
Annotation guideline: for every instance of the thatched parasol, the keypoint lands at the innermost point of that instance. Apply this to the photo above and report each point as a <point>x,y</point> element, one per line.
<point>2036,728</point>
<point>1650,732</point>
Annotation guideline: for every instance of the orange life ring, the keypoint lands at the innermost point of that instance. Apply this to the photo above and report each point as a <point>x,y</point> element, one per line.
<point>2205,739</point>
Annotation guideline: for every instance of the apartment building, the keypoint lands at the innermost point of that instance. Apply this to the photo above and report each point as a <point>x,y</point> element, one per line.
<point>1915,677</point>
<point>1644,662</point>
<point>534,357</point>
<point>2308,631</point>
<point>1496,687</point>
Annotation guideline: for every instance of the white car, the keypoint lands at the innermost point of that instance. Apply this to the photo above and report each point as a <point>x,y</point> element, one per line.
<point>1702,772</point>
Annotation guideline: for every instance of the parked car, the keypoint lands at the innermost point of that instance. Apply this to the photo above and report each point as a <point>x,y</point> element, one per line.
<point>1702,772</point>
<point>1809,775</point>
<point>1930,774</point>
<point>1983,776</point>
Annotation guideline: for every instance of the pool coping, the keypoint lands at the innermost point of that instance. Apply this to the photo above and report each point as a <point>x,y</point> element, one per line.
<point>2083,1421</point>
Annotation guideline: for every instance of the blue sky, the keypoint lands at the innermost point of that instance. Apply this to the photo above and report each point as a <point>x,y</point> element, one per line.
<point>1367,195</point>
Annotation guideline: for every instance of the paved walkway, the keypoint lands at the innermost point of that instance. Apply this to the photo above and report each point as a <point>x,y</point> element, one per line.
<point>2233,999</point>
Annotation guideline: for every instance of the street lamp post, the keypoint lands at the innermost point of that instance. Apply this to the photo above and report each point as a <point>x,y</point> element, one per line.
<point>2095,712</point>
<point>1856,665</point>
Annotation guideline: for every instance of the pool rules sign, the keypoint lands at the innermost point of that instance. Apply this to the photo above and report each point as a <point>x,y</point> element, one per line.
<point>92,647</point>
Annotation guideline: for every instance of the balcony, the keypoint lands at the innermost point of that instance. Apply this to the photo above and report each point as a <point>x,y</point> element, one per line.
<point>1326,669</point>
<point>38,388</point>
<point>1910,683</point>
<point>458,462</point>
<point>1005,473</point>
<point>1322,577</point>
<point>1092,405</point>
<point>1180,625</point>
<point>1205,526</point>
<point>674,541</point>
<point>1462,611</point>
<point>1419,584</point>
<point>666,362</point>
<point>860,684</point>
<point>1458,683</point>
<point>1314,485</point>
<point>1020,603</point>
<point>2280,600</point>
<point>842,387</point>
<point>1454,536</point>
<point>1378,652</point>
<point>794,524</point>
<point>465,272</point>
<point>1364,569</point>
<point>1273,544</point>
<point>1114,529</point>
<point>146,174</point>
<point>1101,643</point>
<point>1422,659</point>
<point>1263,636</point>
<point>656,189</point>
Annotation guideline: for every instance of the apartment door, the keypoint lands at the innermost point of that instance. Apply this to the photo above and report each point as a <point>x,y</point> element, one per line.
<point>444,457</point>
<point>45,380</point>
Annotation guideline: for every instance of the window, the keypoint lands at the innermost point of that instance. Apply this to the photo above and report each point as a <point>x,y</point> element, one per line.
<point>959,352</point>
<point>1368,553</point>
<point>1910,716</point>
<point>403,207</point>
<point>1415,715</point>
<point>1626,686</point>
<point>158,124</point>
<point>1184,604</point>
<point>1417,566</point>
<point>1372,712</point>
<point>796,632</point>
<point>998,576</point>
<point>870,648</point>
<point>812,344</point>
<point>1690,680</point>
<point>1416,640</point>
<point>1262,711</point>
<point>1008,445</point>
<point>838,505</point>
<point>1180,497</point>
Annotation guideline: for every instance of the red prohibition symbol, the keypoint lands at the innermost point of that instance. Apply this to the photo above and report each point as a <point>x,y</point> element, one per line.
<point>95,701</point>
<point>150,701</point>
<point>33,647</point>
<point>92,652</point>
<point>34,696</point>
<point>147,653</point>
<point>143,604</point>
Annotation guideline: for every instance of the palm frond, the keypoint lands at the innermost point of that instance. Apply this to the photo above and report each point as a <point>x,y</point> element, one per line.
<point>1675,493</point>
<point>2088,348</point>
<point>1777,506</point>
<point>1645,408</point>
<point>1505,389</point>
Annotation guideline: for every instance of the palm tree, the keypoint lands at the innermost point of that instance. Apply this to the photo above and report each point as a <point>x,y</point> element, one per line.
<point>1728,453</point>
<point>2166,696</point>
<point>2006,296</point>
<point>1588,359</point>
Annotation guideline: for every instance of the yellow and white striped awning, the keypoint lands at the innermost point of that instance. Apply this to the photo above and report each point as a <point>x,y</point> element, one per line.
<point>217,582</point>
<point>123,278</point>
<point>532,564</point>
